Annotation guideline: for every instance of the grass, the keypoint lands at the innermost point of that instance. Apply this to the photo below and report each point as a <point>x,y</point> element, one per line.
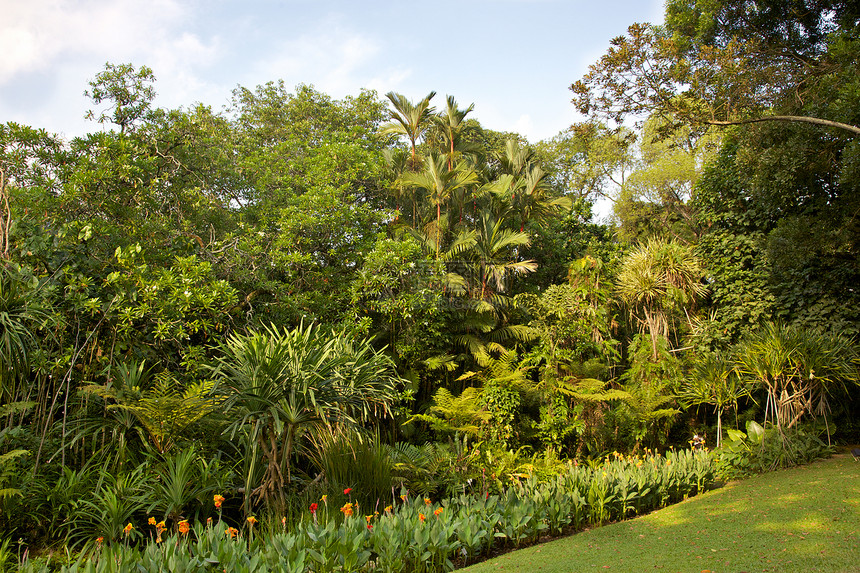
<point>802,519</point>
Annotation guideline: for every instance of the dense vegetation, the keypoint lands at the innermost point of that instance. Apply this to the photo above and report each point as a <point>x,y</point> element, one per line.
<point>298,296</point>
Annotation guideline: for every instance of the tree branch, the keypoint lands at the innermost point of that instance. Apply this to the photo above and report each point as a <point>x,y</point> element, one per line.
<point>793,119</point>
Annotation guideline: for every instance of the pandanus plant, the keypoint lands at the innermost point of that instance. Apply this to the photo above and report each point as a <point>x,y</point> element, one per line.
<point>283,384</point>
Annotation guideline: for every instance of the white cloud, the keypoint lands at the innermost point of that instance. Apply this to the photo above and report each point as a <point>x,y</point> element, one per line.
<point>56,46</point>
<point>334,58</point>
<point>524,125</point>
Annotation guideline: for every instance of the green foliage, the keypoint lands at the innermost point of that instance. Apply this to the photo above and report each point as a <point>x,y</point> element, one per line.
<point>799,369</point>
<point>281,384</point>
<point>418,534</point>
<point>129,90</point>
<point>714,381</point>
<point>660,281</point>
<point>357,461</point>
<point>766,449</point>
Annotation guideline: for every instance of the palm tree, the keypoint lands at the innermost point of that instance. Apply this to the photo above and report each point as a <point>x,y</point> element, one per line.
<point>515,160</point>
<point>450,125</point>
<point>492,252</point>
<point>409,119</point>
<point>440,182</point>
<point>527,196</point>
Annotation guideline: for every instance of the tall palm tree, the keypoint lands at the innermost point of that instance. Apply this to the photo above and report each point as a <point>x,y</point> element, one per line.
<point>515,160</point>
<point>411,120</point>
<point>450,125</point>
<point>440,182</point>
<point>492,252</point>
<point>527,197</point>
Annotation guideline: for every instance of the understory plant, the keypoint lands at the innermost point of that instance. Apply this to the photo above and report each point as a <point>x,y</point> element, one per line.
<point>763,449</point>
<point>413,532</point>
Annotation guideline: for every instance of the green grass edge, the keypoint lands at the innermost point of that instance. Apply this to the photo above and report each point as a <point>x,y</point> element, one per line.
<point>800,519</point>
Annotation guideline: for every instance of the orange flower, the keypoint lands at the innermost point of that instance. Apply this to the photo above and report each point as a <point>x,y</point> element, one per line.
<point>403,497</point>
<point>367,518</point>
<point>437,512</point>
<point>347,509</point>
<point>422,517</point>
<point>99,540</point>
<point>427,501</point>
<point>219,499</point>
<point>184,528</point>
<point>208,521</point>
<point>252,520</point>
<point>152,521</point>
<point>389,508</point>
<point>284,522</point>
<point>231,532</point>
<point>128,529</point>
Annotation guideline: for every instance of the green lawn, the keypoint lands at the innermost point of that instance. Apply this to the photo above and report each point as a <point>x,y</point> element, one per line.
<point>802,519</point>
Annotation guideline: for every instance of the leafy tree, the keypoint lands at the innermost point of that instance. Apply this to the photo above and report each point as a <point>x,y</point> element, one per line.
<point>725,63</point>
<point>588,160</point>
<point>658,196</point>
<point>129,90</point>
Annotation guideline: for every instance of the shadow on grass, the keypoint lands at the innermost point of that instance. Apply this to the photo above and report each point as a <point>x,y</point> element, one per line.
<point>801,519</point>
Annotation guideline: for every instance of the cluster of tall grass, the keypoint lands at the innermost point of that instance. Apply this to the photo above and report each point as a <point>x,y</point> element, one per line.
<point>409,532</point>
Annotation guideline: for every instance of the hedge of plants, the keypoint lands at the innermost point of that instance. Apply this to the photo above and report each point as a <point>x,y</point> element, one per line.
<point>407,533</point>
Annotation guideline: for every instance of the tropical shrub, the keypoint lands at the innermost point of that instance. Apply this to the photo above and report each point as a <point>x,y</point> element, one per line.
<point>764,449</point>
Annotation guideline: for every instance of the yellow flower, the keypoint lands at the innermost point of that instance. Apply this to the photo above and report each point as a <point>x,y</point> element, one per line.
<point>218,499</point>
<point>437,512</point>
<point>347,509</point>
<point>128,529</point>
<point>367,518</point>
<point>184,528</point>
<point>160,525</point>
<point>252,520</point>
<point>152,521</point>
<point>403,497</point>
<point>389,508</point>
<point>324,499</point>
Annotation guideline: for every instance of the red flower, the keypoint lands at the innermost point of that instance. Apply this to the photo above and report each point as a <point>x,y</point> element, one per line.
<point>347,491</point>
<point>314,507</point>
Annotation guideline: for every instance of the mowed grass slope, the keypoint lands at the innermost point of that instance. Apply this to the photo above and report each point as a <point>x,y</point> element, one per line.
<point>802,519</point>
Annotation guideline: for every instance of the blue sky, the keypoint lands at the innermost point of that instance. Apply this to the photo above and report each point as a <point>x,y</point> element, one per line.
<point>514,59</point>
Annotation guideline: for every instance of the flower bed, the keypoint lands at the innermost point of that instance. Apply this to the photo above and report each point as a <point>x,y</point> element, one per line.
<point>418,534</point>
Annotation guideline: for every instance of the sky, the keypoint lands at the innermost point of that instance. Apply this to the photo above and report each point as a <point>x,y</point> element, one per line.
<point>514,59</point>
